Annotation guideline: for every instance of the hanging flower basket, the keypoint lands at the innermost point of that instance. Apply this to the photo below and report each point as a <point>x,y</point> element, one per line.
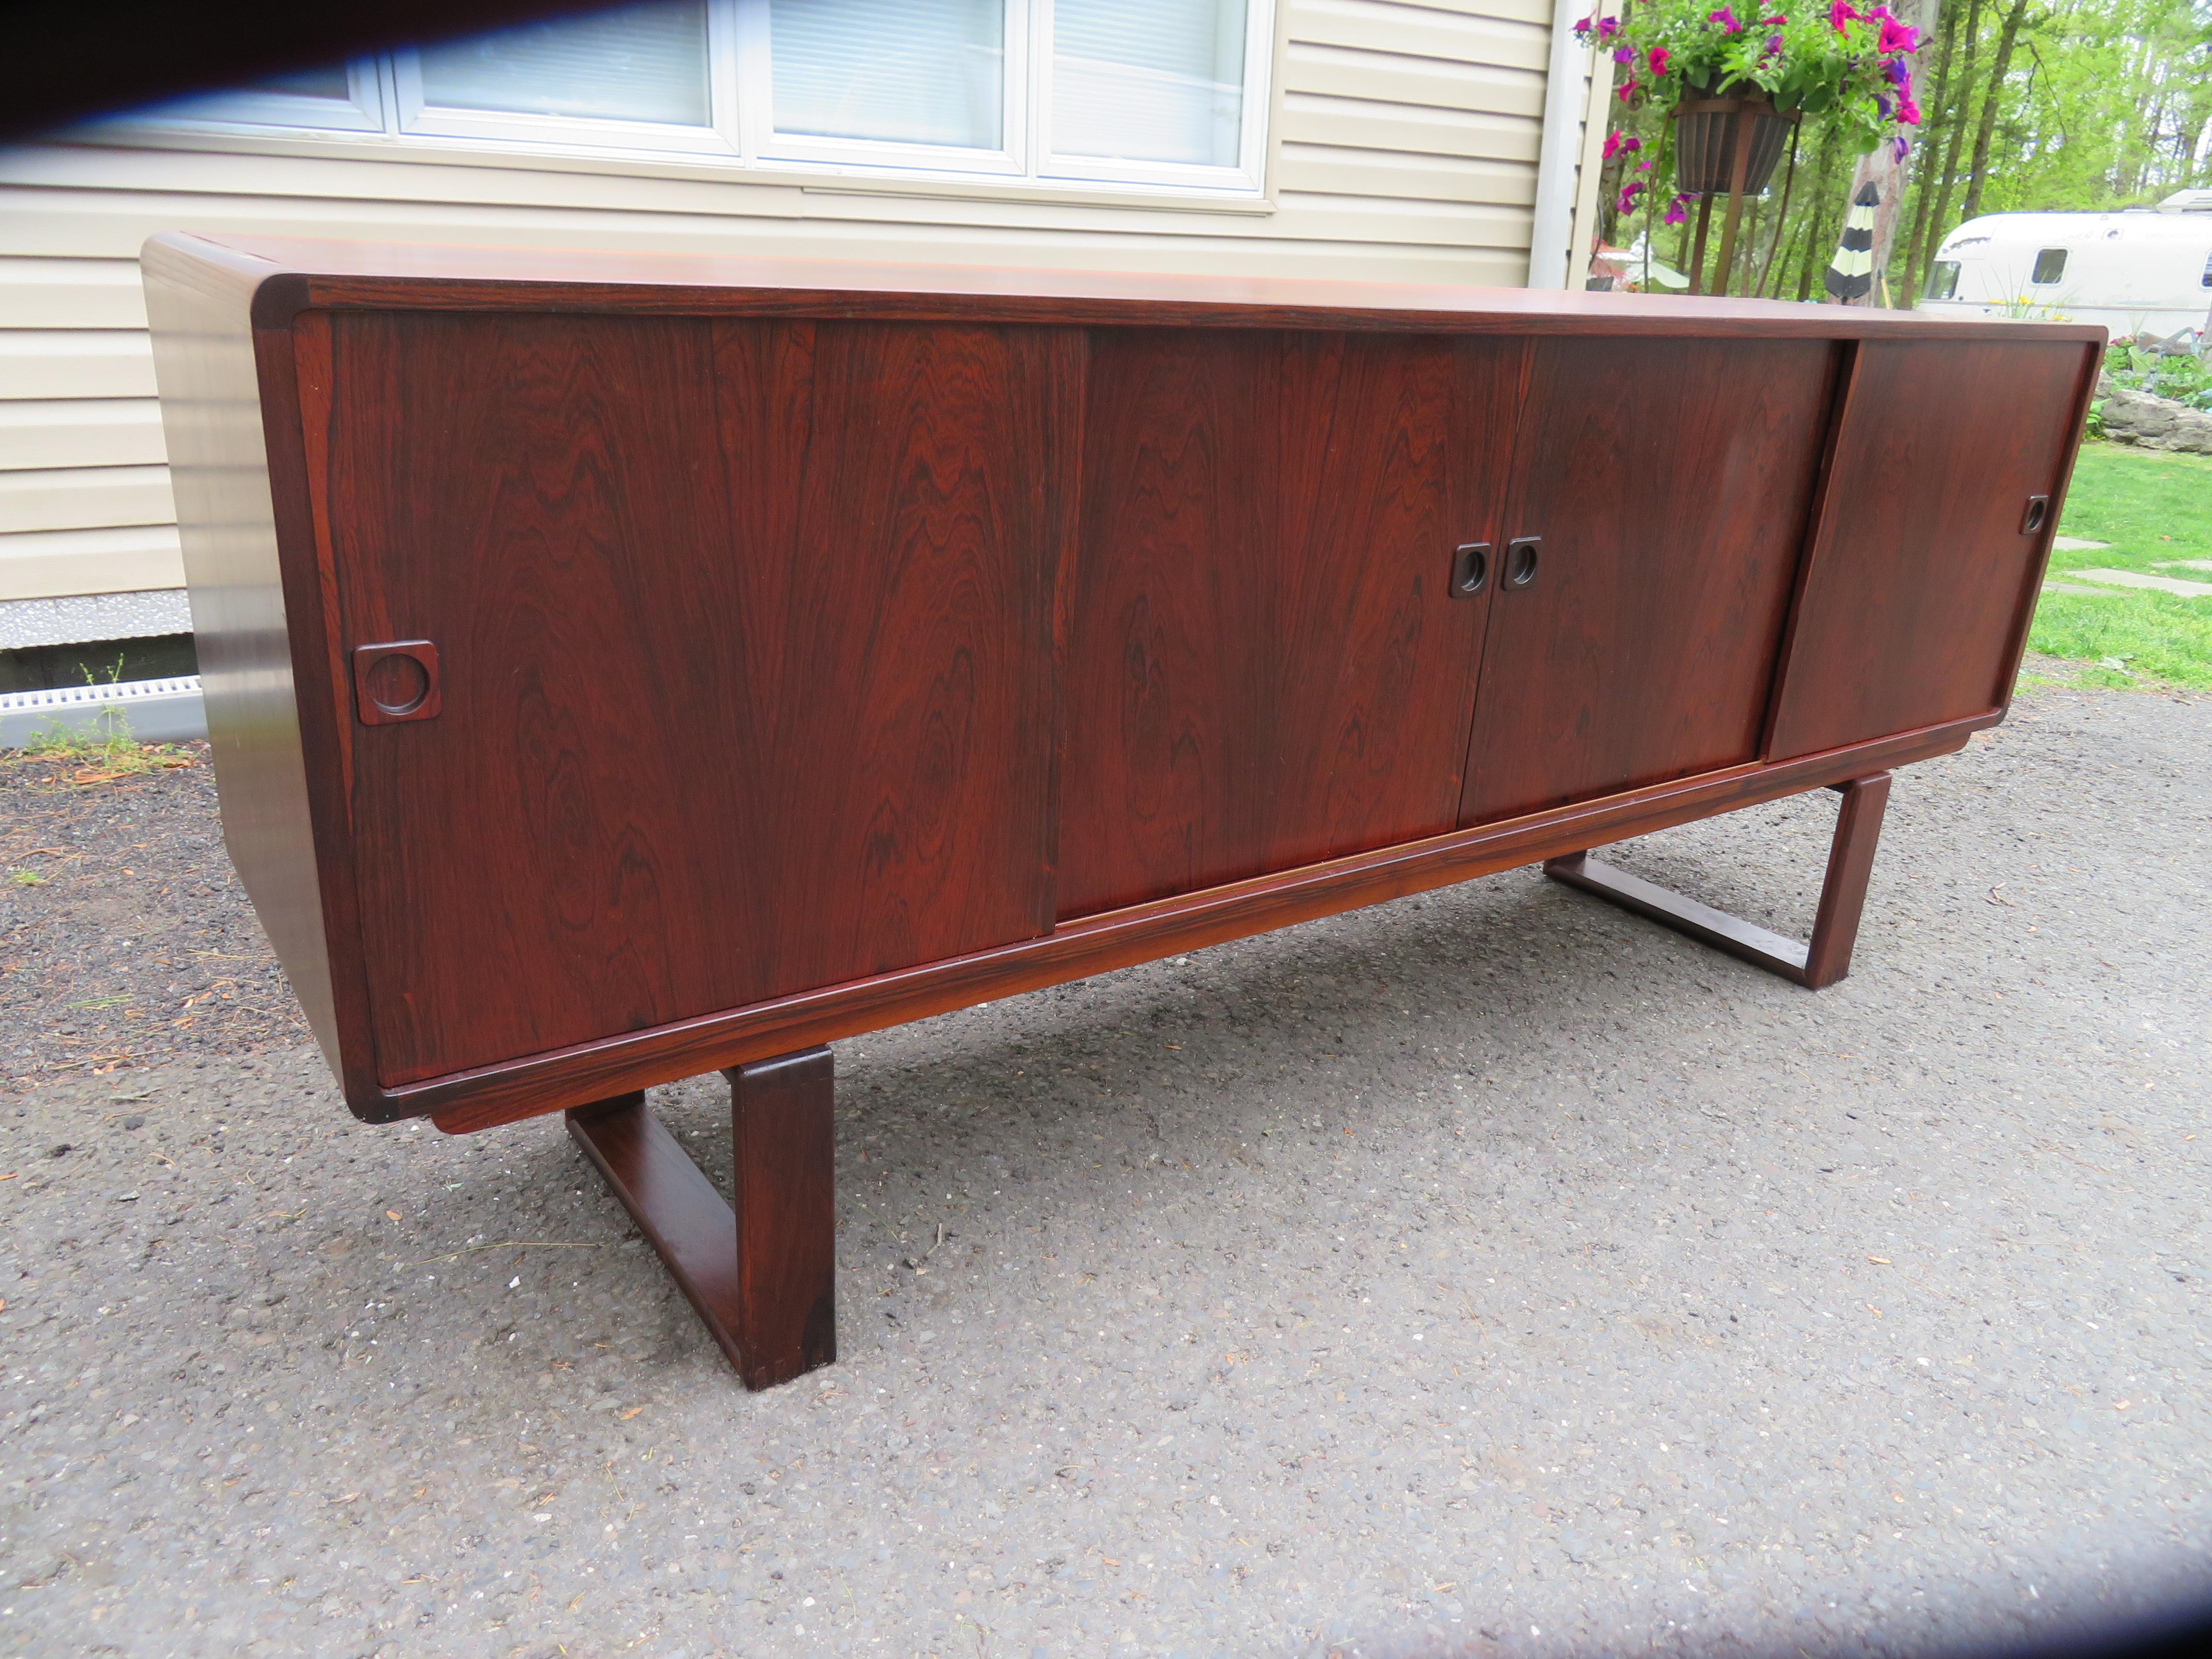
<point>1850,71</point>
<point>1704,151</point>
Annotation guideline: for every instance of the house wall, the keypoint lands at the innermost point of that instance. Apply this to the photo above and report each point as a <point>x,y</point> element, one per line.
<point>1404,145</point>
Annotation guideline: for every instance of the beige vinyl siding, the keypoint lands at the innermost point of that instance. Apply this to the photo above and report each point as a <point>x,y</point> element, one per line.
<point>1403,147</point>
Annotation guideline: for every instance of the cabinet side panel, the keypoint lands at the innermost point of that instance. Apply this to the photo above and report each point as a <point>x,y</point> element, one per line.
<point>211,386</point>
<point>1921,565</point>
<point>1266,669</point>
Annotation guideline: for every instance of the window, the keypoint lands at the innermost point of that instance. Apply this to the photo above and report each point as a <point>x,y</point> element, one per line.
<point>2207,280</point>
<point>2050,265</point>
<point>1161,92</point>
<point>1943,280</point>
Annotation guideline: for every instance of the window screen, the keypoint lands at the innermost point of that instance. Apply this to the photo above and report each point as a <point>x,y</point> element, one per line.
<point>2050,265</point>
<point>908,71</point>
<point>1148,80</point>
<point>642,64</point>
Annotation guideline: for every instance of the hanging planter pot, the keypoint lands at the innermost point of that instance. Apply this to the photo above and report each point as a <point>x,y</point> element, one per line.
<point>1704,156</point>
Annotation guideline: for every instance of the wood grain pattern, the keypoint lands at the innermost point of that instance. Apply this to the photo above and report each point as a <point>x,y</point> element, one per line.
<point>1120,939</point>
<point>1266,667</point>
<point>1669,480</point>
<point>1921,578</point>
<point>745,639</point>
<point>753,582</point>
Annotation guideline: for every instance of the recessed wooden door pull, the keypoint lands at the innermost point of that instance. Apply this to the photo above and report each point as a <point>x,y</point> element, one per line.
<point>1470,569</point>
<point>1522,554</point>
<point>395,682</point>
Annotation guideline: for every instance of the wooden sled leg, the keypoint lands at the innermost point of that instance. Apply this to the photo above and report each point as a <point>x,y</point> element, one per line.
<point>1822,960</point>
<point>762,1279</point>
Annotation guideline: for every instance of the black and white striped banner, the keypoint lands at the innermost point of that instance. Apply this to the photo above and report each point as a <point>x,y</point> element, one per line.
<point>1851,274</point>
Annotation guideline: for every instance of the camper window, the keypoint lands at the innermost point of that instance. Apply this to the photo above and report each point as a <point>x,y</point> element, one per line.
<point>2050,265</point>
<point>2207,282</point>
<point>1943,280</point>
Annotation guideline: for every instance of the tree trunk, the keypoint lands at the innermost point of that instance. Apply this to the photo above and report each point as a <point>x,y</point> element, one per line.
<point>1820,236</point>
<point>1955,125</point>
<point>1880,168</point>
<point>1981,167</point>
<point>1924,160</point>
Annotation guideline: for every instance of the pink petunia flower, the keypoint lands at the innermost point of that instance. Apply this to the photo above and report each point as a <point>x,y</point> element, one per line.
<point>1677,212</point>
<point>1726,19</point>
<point>1624,54</point>
<point>1907,110</point>
<point>1898,37</point>
<point>1659,56</point>
<point>1627,89</point>
<point>1841,12</point>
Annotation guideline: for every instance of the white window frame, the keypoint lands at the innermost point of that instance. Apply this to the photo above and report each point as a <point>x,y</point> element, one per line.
<point>387,108</point>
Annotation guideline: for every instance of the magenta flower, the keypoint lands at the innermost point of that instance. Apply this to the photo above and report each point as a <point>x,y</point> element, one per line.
<point>1583,27</point>
<point>1841,12</point>
<point>1726,19</point>
<point>1607,28</point>
<point>1677,212</point>
<point>1907,110</point>
<point>1773,45</point>
<point>1627,89</point>
<point>1626,201</point>
<point>1898,37</point>
<point>1659,55</point>
<point>1624,54</point>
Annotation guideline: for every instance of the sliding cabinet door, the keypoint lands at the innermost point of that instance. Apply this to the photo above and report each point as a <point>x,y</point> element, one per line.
<point>1931,543</point>
<point>1653,542</point>
<point>744,660</point>
<point>1267,666</point>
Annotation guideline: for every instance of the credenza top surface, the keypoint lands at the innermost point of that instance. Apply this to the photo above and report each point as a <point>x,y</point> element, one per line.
<point>280,278</point>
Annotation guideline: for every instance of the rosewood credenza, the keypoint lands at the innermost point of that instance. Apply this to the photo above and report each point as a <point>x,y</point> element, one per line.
<point>622,667</point>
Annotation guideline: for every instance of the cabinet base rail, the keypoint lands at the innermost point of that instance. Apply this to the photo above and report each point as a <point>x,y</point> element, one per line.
<point>761,1273</point>
<point>1820,961</point>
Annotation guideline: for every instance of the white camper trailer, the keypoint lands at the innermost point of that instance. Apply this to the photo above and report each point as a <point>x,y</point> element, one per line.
<point>2146,270</point>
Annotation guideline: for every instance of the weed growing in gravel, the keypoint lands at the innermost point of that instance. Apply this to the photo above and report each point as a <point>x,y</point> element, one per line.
<point>78,760</point>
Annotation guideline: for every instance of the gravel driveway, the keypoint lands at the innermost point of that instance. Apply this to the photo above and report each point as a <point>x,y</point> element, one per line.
<point>1488,1273</point>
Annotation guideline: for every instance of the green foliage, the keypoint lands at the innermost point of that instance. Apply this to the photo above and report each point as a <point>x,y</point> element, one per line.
<point>2100,104</point>
<point>2182,376</point>
<point>2155,510</point>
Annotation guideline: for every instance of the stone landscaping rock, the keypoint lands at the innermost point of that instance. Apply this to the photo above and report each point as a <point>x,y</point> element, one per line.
<point>2137,418</point>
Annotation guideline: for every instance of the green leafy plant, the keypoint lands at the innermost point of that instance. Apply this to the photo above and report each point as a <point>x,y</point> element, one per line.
<point>2183,376</point>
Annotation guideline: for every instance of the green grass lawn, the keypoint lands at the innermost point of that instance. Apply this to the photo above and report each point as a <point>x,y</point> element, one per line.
<point>2155,509</point>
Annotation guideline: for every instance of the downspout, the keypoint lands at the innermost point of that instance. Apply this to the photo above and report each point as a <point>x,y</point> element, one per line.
<point>1558,157</point>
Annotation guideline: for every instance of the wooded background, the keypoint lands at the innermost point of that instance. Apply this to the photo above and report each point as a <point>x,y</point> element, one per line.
<point>2027,105</point>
